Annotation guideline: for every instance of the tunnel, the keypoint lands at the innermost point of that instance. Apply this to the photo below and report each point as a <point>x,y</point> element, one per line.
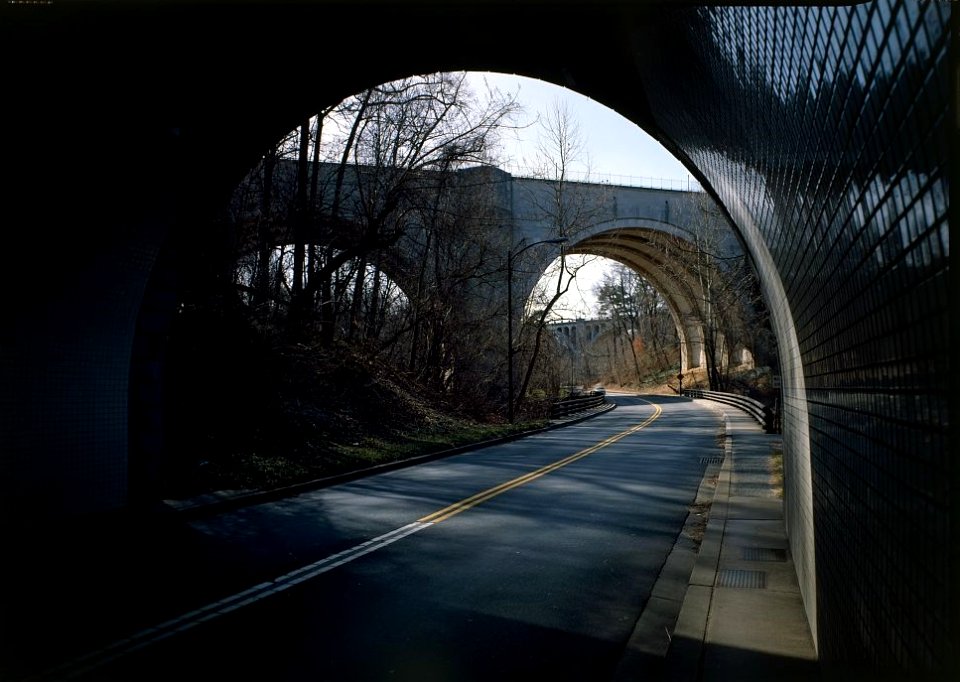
<point>824,132</point>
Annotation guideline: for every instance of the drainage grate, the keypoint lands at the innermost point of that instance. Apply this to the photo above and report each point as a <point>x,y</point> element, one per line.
<point>735,577</point>
<point>763,554</point>
<point>751,489</point>
<point>712,460</point>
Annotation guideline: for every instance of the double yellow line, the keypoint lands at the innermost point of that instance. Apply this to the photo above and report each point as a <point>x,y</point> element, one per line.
<point>479,498</point>
<point>94,660</point>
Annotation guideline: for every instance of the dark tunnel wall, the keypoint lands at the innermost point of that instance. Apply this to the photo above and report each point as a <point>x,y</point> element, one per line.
<point>825,132</point>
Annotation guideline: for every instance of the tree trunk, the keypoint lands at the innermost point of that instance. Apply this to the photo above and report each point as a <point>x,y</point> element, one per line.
<point>373,312</point>
<point>327,311</point>
<point>541,325</point>
<point>417,307</point>
<point>356,304</point>
<point>264,238</point>
<point>313,257</point>
<point>295,320</point>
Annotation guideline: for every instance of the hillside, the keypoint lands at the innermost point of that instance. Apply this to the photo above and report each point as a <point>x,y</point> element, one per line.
<point>249,411</point>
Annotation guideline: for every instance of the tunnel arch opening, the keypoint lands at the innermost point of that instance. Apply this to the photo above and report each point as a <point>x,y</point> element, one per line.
<point>274,204</point>
<point>824,126</point>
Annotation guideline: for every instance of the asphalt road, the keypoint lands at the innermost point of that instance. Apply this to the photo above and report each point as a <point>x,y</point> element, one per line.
<point>527,560</point>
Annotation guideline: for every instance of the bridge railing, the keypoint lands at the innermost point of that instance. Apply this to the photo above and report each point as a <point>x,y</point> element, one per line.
<point>763,414</point>
<point>676,184</point>
<point>564,408</point>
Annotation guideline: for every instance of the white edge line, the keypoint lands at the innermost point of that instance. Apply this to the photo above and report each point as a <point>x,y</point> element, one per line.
<point>147,636</point>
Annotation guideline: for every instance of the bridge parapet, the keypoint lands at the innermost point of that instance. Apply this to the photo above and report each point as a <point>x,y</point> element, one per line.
<point>668,236</point>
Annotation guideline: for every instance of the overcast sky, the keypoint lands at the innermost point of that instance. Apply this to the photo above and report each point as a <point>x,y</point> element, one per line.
<point>618,150</point>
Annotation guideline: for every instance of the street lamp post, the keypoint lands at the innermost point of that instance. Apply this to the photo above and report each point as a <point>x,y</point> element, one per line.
<point>510,256</point>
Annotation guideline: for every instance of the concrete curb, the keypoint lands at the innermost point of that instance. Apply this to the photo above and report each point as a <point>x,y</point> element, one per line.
<point>683,658</point>
<point>217,502</point>
<point>652,636</point>
<point>743,616</point>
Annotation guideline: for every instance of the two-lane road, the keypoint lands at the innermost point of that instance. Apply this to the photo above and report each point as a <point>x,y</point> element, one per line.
<point>530,559</point>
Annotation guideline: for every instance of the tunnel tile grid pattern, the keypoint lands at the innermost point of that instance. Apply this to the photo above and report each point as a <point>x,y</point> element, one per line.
<point>846,110</point>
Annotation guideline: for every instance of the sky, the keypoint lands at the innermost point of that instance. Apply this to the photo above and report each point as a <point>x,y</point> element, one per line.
<point>615,146</point>
<point>616,150</point>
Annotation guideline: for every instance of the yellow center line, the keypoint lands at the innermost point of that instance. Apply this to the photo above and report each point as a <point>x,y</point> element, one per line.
<point>474,500</point>
<point>148,636</point>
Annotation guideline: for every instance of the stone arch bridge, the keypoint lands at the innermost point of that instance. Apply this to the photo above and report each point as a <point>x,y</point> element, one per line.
<point>662,234</point>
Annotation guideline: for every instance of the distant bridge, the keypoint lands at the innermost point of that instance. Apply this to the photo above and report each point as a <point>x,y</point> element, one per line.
<point>577,333</point>
<point>653,231</point>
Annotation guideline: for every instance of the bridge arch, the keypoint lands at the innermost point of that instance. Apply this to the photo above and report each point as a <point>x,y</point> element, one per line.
<point>664,260</point>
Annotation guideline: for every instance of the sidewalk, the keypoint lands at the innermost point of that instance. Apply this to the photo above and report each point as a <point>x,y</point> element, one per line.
<point>742,617</point>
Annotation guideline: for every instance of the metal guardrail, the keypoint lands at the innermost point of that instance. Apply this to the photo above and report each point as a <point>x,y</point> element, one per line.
<point>563,408</point>
<point>763,414</point>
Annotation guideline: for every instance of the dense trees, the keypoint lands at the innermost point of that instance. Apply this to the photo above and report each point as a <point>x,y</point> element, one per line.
<point>382,162</point>
<point>564,205</point>
<point>325,218</point>
<point>644,337</point>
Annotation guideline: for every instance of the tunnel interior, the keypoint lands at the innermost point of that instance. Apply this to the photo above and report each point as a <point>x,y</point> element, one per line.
<point>824,132</point>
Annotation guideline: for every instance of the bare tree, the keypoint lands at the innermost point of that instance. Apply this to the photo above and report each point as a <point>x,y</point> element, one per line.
<point>569,210</point>
<point>385,155</point>
<point>641,319</point>
<point>405,138</point>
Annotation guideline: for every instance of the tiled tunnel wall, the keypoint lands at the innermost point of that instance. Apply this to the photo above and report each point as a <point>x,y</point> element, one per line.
<point>824,131</point>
